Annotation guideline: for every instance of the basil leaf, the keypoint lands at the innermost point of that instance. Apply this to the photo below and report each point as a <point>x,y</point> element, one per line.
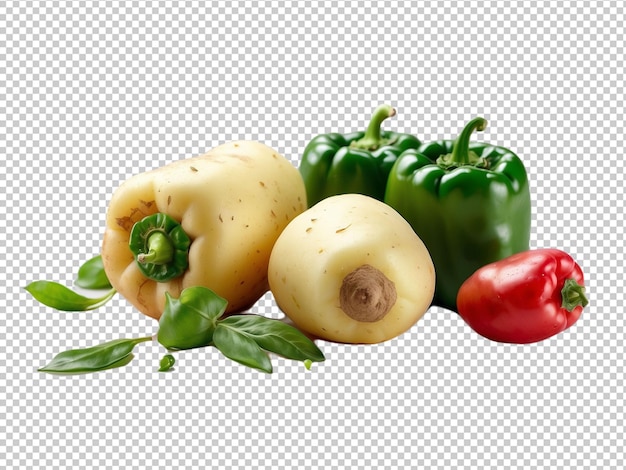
<point>240,348</point>
<point>167,362</point>
<point>276,336</point>
<point>189,321</point>
<point>55,295</point>
<point>91,275</point>
<point>104,356</point>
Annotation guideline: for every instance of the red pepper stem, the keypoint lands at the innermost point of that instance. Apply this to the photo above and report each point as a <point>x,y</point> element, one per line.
<point>573,295</point>
<point>460,152</point>
<point>372,139</point>
<point>160,249</point>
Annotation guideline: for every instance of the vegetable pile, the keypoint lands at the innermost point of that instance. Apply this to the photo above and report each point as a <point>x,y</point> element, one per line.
<point>356,244</point>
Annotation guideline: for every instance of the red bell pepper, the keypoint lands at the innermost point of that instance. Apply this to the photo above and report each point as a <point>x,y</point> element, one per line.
<point>524,298</point>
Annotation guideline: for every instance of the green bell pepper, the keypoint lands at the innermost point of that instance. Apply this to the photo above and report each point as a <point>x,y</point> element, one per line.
<point>468,202</point>
<point>357,162</point>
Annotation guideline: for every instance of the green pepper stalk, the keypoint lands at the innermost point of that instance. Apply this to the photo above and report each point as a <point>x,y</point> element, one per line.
<point>373,139</point>
<point>160,246</point>
<point>573,295</point>
<point>461,154</point>
<point>160,249</point>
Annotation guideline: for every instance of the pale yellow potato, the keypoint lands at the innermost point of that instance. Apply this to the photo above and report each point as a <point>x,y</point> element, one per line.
<point>233,202</point>
<point>351,269</point>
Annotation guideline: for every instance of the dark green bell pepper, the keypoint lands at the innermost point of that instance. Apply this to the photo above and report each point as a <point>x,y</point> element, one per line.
<point>468,202</point>
<point>357,162</point>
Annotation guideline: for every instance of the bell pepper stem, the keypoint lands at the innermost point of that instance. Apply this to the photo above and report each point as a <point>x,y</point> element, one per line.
<point>160,250</point>
<point>573,295</point>
<point>373,139</point>
<point>460,152</point>
<point>160,246</point>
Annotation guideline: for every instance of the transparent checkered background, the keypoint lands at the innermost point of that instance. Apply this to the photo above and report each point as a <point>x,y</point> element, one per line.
<point>94,92</point>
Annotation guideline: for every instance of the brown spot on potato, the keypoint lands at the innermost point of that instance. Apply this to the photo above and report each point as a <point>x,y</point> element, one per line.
<point>140,298</point>
<point>144,209</point>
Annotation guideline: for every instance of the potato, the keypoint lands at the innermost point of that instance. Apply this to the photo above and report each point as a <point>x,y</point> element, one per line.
<point>351,269</point>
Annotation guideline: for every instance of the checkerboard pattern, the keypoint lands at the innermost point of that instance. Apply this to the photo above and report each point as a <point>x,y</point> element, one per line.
<point>93,92</point>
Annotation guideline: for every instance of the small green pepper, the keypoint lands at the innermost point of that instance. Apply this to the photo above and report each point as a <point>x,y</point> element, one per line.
<point>358,162</point>
<point>468,202</point>
<point>160,246</point>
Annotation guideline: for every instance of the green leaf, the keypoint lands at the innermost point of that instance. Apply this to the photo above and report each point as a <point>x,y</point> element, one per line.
<point>55,295</point>
<point>104,356</point>
<point>189,321</point>
<point>167,362</point>
<point>240,348</point>
<point>275,336</point>
<point>91,275</point>
<point>121,363</point>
